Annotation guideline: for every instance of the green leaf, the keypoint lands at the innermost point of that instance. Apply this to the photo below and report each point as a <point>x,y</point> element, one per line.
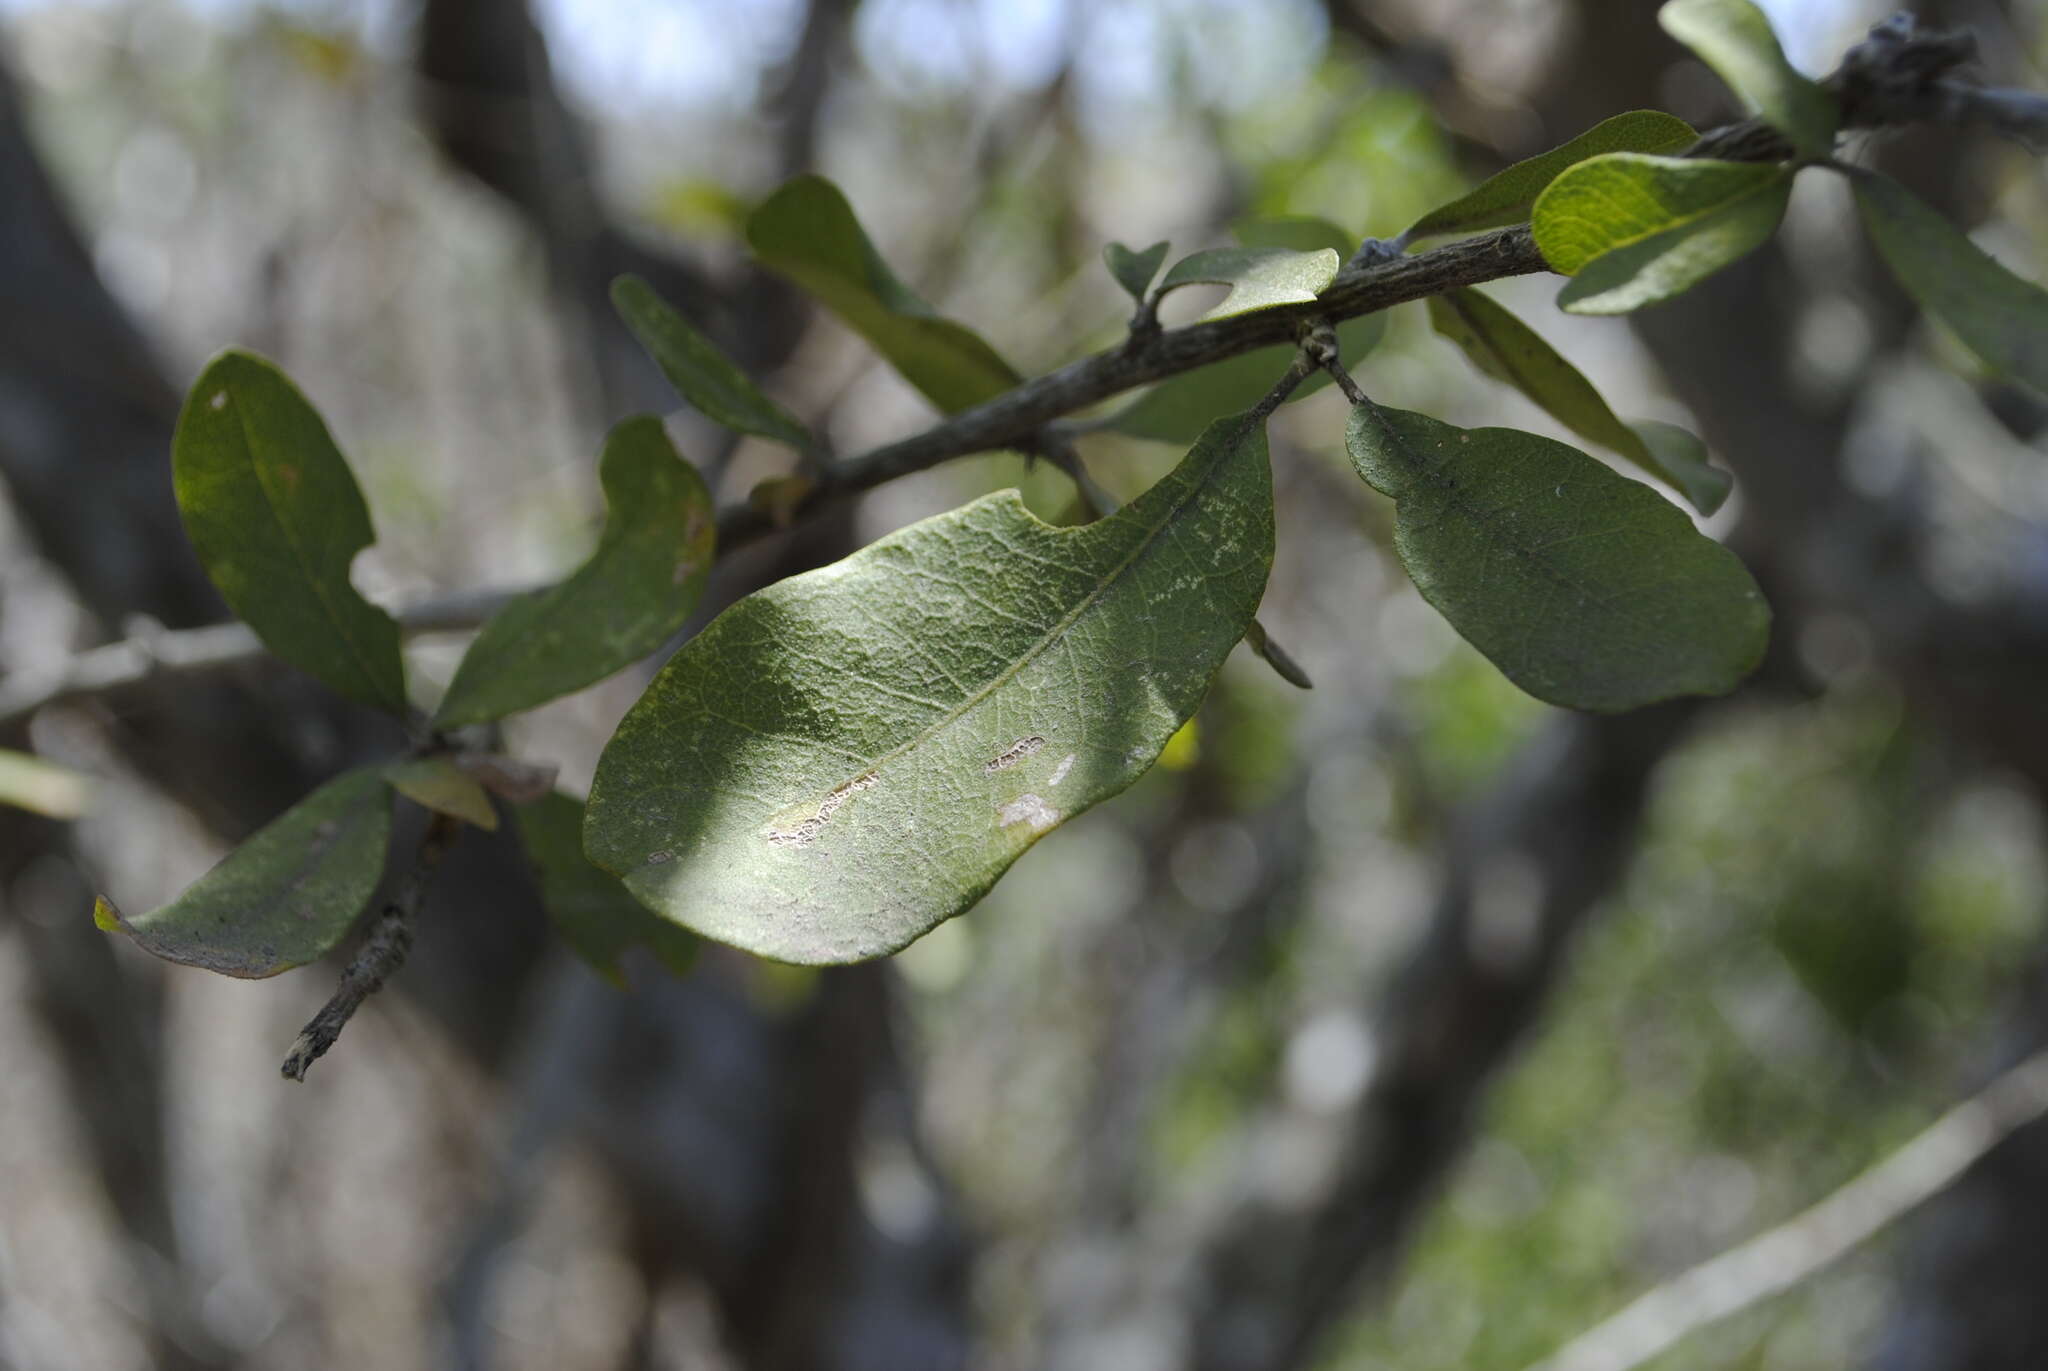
<point>701,373</point>
<point>1735,39</point>
<point>1295,233</point>
<point>634,593</point>
<point>1586,589</point>
<point>808,232</point>
<point>595,914</point>
<point>1681,461</point>
<point>1259,278</point>
<point>1180,407</point>
<point>845,759</point>
<point>1509,350</point>
<point>1636,229</point>
<point>1134,270</point>
<point>439,784</point>
<point>1507,196</point>
<point>276,518</point>
<point>55,792</point>
<point>286,896</point>
<point>2001,317</point>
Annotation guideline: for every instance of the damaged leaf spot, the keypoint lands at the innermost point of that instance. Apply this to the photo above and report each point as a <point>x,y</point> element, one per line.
<point>1029,809</point>
<point>219,400</point>
<point>1059,773</point>
<point>660,858</point>
<point>1013,754</point>
<point>810,828</point>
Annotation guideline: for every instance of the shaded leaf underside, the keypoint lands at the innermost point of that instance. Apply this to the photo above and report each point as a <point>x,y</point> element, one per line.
<point>1586,589</point>
<point>287,896</point>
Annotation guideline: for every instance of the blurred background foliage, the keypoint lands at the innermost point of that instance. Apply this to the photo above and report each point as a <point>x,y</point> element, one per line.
<point>1799,924</point>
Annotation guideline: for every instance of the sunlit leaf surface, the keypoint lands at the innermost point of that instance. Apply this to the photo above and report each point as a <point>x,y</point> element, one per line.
<point>843,760</point>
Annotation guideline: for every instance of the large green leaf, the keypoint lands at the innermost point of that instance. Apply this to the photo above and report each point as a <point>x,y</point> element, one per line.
<point>595,914</point>
<point>1259,278</point>
<point>1585,588</point>
<point>1999,316</point>
<point>1180,407</point>
<point>635,592</point>
<point>1134,270</point>
<point>1735,39</point>
<point>276,518</point>
<point>841,761</point>
<point>1635,229</point>
<point>808,232</point>
<point>1507,196</point>
<point>701,374</point>
<point>286,896</point>
<point>1509,350</point>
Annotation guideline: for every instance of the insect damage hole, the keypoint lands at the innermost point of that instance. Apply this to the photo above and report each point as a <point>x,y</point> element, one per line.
<point>1013,754</point>
<point>807,830</point>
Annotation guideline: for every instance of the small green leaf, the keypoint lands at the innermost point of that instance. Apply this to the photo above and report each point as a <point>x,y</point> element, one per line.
<point>511,779</point>
<point>1259,278</point>
<point>1586,589</point>
<point>1507,196</point>
<point>286,896</point>
<point>1735,39</point>
<point>1180,407</point>
<point>841,761</point>
<point>701,373</point>
<point>1679,459</point>
<point>55,792</point>
<point>1134,270</point>
<point>439,784</point>
<point>1509,350</point>
<point>276,518</point>
<point>634,593</point>
<point>594,913</point>
<point>808,232</point>
<point>1295,233</point>
<point>1636,229</point>
<point>2001,317</point>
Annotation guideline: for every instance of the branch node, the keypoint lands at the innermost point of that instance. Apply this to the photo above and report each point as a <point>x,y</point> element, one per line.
<point>1375,252</point>
<point>380,956</point>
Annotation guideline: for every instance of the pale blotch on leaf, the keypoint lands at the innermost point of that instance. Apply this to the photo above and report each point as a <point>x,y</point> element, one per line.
<point>1029,809</point>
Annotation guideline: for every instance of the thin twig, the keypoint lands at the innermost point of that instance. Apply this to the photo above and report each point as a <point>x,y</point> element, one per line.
<point>1775,1261</point>
<point>381,954</point>
<point>158,652</point>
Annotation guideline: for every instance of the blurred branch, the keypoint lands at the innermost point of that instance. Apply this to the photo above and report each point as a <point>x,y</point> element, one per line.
<point>1523,872</point>
<point>1775,1261</point>
<point>381,954</point>
<point>153,652</point>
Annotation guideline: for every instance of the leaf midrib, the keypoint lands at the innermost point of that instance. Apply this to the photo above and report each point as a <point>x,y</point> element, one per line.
<point>1053,634</point>
<point>1452,495</point>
